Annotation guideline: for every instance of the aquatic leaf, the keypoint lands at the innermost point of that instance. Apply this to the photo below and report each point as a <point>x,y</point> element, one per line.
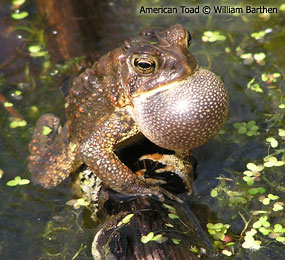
<point>169,207</point>
<point>251,233</point>
<point>147,238</point>
<point>270,162</point>
<point>157,237</point>
<point>264,231</point>
<point>34,48</point>
<point>242,130</point>
<point>127,218</point>
<point>169,225</point>
<point>17,93</point>
<point>237,125</point>
<point>82,202</point>
<point>172,216</point>
<point>249,181</point>
<point>280,239</point>
<point>250,123</point>
<point>257,224</point>
<point>258,35</point>
<point>12,183</point>
<point>248,173</point>
<point>254,191</point>
<point>273,197</point>
<point>246,56</point>
<point>227,252</point>
<point>277,206</point>
<point>214,193</point>
<point>46,130</point>
<point>279,163</point>
<point>218,225</point>
<point>24,182</point>
<point>210,36</point>
<point>210,225</point>
<point>254,128</point>
<point>18,123</point>
<point>19,15</point>
<point>73,147</point>
<point>7,104</point>
<point>282,7</point>
<point>18,2</point>
<point>175,241</point>
<point>273,142</point>
<point>194,249</point>
<point>277,228</point>
<point>281,132</point>
<point>276,75</point>
<point>255,168</point>
<point>282,106</point>
<point>259,56</point>
<point>18,181</point>
<point>250,243</point>
<point>266,201</point>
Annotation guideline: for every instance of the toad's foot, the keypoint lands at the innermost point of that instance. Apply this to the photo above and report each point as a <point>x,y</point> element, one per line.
<point>52,154</point>
<point>173,164</point>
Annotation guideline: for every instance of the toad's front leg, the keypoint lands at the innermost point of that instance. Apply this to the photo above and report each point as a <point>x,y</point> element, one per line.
<point>97,153</point>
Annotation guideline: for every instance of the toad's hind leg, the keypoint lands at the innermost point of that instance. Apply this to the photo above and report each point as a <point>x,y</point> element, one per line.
<point>52,155</point>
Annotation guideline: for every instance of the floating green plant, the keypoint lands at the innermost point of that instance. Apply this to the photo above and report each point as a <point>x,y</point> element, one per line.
<point>258,35</point>
<point>18,181</point>
<point>151,237</point>
<point>272,161</point>
<point>18,15</point>
<point>254,86</point>
<point>18,2</point>
<point>250,242</point>
<point>250,128</point>
<point>218,230</point>
<point>7,104</point>
<point>252,174</point>
<point>273,142</point>
<point>210,36</point>
<point>127,218</point>
<point>16,122</point>
<point>46,130</point>
<point>269,78</point>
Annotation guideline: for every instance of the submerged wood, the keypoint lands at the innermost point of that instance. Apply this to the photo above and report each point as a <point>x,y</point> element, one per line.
<point>181,235</point>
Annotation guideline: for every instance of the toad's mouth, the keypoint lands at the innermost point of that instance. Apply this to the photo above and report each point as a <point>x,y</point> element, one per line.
<point>165,86</point>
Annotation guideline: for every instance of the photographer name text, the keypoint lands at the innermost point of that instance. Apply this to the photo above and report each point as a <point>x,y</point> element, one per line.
<point>206,9</point>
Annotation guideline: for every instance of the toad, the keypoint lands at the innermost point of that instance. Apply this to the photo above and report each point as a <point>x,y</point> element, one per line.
<point>150,85</point>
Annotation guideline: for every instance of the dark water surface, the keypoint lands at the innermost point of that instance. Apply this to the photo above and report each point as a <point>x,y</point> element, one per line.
<point>35,222</point>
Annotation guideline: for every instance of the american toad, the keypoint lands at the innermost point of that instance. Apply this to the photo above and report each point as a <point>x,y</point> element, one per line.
<point>150,85</point>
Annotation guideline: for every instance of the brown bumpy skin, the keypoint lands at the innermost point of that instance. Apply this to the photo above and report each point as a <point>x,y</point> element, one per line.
<point>52,156</point>
<point>151,85</point>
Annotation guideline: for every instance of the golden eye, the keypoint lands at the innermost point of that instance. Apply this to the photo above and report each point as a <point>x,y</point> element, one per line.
<point>188,39</point>
<point>144,65</point>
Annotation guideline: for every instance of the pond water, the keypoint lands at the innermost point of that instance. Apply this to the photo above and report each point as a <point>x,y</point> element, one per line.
<point>245,50</point>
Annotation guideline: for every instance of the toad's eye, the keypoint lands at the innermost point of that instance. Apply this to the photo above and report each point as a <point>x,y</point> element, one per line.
<point>144,65</point>
<point>188,39</point>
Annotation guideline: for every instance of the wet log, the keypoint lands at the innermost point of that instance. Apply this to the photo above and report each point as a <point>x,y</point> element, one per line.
<point>175,231</point>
